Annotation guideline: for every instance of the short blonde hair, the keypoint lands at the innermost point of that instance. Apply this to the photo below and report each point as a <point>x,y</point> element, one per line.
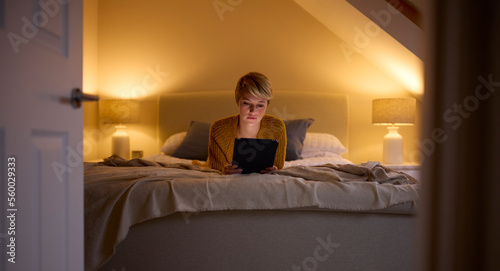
<point>256,83</point>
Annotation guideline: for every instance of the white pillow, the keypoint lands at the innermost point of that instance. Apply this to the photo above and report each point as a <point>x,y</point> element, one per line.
<point>311,154</point>
<point>322,144</point>
<point>172,143</point>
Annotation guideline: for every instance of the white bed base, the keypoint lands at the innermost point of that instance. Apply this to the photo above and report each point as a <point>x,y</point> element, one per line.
<point>269,240</point>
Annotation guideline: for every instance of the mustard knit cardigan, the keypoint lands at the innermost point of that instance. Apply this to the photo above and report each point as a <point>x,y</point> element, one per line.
<point>224,131</point>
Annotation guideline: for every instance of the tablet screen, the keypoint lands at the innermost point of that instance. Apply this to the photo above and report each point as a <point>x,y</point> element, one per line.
<point>254,154</point>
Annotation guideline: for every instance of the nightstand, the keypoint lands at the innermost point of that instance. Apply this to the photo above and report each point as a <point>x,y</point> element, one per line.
<point>410,169</point>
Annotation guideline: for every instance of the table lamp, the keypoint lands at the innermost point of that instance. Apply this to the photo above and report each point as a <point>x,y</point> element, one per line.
<point>120,112</point>
<point>393,112</point>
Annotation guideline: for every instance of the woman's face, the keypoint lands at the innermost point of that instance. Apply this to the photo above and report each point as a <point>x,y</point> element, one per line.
<point>252,108</point>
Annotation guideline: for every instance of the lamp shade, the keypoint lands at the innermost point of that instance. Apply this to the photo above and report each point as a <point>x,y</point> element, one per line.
<point>393,111</point>
<point>119,111</point>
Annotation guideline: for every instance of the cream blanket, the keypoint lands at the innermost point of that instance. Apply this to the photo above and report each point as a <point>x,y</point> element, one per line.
<point>120,194</point>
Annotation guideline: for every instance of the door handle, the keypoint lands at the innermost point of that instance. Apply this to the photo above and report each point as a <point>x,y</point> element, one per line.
<point>77,97</point>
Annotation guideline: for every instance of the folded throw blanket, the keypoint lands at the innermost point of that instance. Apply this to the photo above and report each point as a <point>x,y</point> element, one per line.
<point>370,171</point>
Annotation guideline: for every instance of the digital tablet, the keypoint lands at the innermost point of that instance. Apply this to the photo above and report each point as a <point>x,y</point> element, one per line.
<point>254,154</point>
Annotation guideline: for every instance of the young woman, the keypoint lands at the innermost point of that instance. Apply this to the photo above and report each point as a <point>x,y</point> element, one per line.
<point>252,95</point>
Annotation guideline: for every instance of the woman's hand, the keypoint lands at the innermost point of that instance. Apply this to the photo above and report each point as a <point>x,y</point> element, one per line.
<point>269,169</point>
<point>232,169</point>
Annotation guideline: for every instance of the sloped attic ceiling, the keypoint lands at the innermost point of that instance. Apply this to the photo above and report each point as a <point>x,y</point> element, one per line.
<point>397,54</point>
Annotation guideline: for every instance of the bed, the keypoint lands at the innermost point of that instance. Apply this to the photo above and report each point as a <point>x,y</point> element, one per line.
<point>321,212</point>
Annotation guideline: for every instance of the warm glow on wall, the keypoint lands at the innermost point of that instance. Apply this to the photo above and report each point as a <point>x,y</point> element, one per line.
<point>409,75</point>
<point>398,62</point>
<point>364,37</point>
<point>129,83</point>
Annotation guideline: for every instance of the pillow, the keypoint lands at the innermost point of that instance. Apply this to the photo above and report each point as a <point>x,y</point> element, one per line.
<point>317,154</point>
<point>317,143</point>
<point>295,135</point>
<point>195,144</point>
<point>172,143</point>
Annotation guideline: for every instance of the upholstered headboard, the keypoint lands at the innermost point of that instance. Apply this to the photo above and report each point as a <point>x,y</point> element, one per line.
<point>329,110</point>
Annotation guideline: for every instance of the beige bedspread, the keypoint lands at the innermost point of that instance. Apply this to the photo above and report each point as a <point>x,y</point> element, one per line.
<point>119,194</point>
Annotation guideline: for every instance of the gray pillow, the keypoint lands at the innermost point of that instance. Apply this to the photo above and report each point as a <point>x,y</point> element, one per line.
<point>195,144</point>
<point>295,135</point>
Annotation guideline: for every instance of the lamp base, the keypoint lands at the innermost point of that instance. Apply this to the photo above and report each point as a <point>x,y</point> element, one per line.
<point>393,147</point>
<point>120,142</point>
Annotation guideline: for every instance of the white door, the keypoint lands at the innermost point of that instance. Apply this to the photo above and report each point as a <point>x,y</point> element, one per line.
<point>40,135</point>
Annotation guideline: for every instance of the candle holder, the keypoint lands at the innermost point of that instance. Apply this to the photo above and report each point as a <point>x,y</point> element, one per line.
<point>393,112</point>
<point>120,111</point>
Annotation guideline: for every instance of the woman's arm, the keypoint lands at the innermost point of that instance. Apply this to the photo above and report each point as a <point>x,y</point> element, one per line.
<point>219,147</point>
<point>279,161</point>
<point>216,158</point>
